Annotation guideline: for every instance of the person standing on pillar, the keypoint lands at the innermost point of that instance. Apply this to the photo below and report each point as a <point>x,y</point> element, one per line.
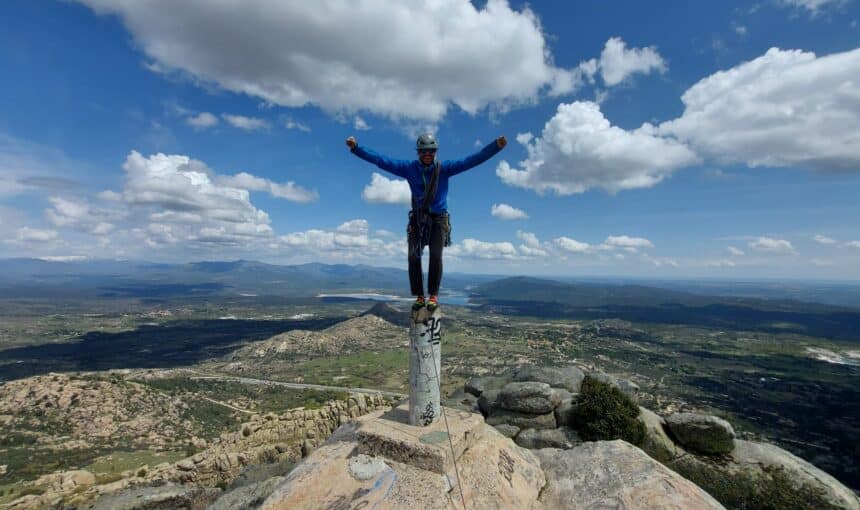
<point>429,221</point>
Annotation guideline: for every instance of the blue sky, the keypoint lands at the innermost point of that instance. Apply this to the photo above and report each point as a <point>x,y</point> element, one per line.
<point>711,139</point>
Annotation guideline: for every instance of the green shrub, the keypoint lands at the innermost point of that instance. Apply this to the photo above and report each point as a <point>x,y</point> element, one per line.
<point>604,413</point>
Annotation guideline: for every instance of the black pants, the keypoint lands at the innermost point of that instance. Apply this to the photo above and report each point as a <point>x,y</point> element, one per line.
<point>437,243</point>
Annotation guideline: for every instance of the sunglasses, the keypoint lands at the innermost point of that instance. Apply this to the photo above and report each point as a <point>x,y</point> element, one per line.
<point>426,151</point>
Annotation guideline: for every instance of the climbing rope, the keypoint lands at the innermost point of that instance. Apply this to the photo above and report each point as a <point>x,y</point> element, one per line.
<point>447,429</point>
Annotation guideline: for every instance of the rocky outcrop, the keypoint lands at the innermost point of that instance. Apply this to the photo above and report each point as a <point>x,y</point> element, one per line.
<point>354,335</point>
<point>756,473</point>
<point>615,474</point>
<point>562,437</point>
<point>493,472</point>
<point>158,498</point>
<point>265,439</point>
<point>528,397</point>
<point>702,433</point>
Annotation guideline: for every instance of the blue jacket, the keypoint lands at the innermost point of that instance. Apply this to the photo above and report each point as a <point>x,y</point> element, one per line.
<point>415,173</point>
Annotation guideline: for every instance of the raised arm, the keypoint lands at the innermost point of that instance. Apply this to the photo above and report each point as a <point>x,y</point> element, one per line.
<point>457,166</point>
<point>397,167</point>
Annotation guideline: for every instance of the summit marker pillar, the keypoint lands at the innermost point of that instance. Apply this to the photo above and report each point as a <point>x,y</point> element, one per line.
<point>425,366</point>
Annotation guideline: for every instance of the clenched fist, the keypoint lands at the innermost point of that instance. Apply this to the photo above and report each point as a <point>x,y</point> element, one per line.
<point>350,142</point>
<point>501,142</point>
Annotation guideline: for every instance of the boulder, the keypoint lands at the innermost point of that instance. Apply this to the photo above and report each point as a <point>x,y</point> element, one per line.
<point>507,430</point>
<point>562,437</point>
<point>568,377</point>
<point>566,409</point>
<point>657,443</point>
<point>459,399</point>
<point>759,475</point>
<point>247,496</point>
<point>475,386</point>
<point>488,401</point>
<point>702,433</point>
<point>528,397</point>
<point>492,473</point>
<point>522,420</point>
<point>615,474</point>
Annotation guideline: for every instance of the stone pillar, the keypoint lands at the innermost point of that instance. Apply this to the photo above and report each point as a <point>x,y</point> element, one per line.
<point>425,366</point>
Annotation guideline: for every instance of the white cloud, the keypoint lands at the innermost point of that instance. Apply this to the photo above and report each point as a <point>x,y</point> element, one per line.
<point>740,29</point>
<point>770,245</point>
<point>814,7</point>
<point>735,251</point>
<point>820,239</point>
<point>190,201</point>
<point>289,191</point>
<point>27,234</point>
<point>853,244</point>
<point>628,243</point>
<point>661,261</point>
<point>475,249</point>
<point>246,123</point>
<point>359,124</point>
<point>572,245</point>
<point>351,238</point>
<point>383,190</point>
<point>784,108</point>
<point>64,258</point>
<point>81,216</point>
<point>425,56</point>
<point>292,124</point>
<point>617,63</point>
<point>579,150</point>
<point>506,212</point>
<point>202,120</point>
<point>528,238</point>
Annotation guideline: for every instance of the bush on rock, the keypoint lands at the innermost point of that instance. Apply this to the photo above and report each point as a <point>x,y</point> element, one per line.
<point>604,413</point>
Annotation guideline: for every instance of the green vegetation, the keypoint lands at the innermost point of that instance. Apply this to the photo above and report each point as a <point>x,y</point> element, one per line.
<point>605,413</point>
<point>119,461</point>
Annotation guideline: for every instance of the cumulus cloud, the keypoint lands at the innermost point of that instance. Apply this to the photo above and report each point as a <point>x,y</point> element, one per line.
<point>350,238</point>
<point>814,7</point>
<point>627,242</point>
<point>617,62</point>
<point>81,216</point>
<point>507,212</point>
<point>246,123</point>
<point>298,53</point>
<point>579,149</point>
<point>383,190</point>
<point>531,245</point>
<point>572,245</point>
<point>292,124</point>
<point>820,239</point>
<point>853,244</point>
<point>289,191</point>
<point>784,108</point>
<point>475,249</point>
<point>36,235</point>
<point>721,263</point>
<point>202,120</point>
<point>770,245</point>
<point>735,251</point>
<point>359,124</point>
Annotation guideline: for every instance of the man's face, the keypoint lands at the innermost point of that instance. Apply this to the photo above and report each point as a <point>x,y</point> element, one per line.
<point>426,156</point>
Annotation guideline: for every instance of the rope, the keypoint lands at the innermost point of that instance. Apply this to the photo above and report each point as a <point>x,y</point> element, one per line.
<point>445,417</point>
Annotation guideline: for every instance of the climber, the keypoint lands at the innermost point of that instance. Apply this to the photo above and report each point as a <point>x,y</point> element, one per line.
<point>429,222</point>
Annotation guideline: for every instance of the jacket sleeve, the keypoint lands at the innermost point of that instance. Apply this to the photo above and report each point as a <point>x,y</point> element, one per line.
<point>398,167</point>
<point>456,166</point>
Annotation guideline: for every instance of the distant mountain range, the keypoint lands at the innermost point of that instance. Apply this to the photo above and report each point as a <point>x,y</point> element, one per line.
<point>37,278</point>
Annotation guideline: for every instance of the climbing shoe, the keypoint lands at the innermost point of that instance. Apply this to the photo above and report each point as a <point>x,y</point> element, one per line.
<point>419,303</point>
<point>433,303</point>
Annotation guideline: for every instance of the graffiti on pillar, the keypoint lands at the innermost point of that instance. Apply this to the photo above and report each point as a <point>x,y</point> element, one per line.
<point>428,414</point>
